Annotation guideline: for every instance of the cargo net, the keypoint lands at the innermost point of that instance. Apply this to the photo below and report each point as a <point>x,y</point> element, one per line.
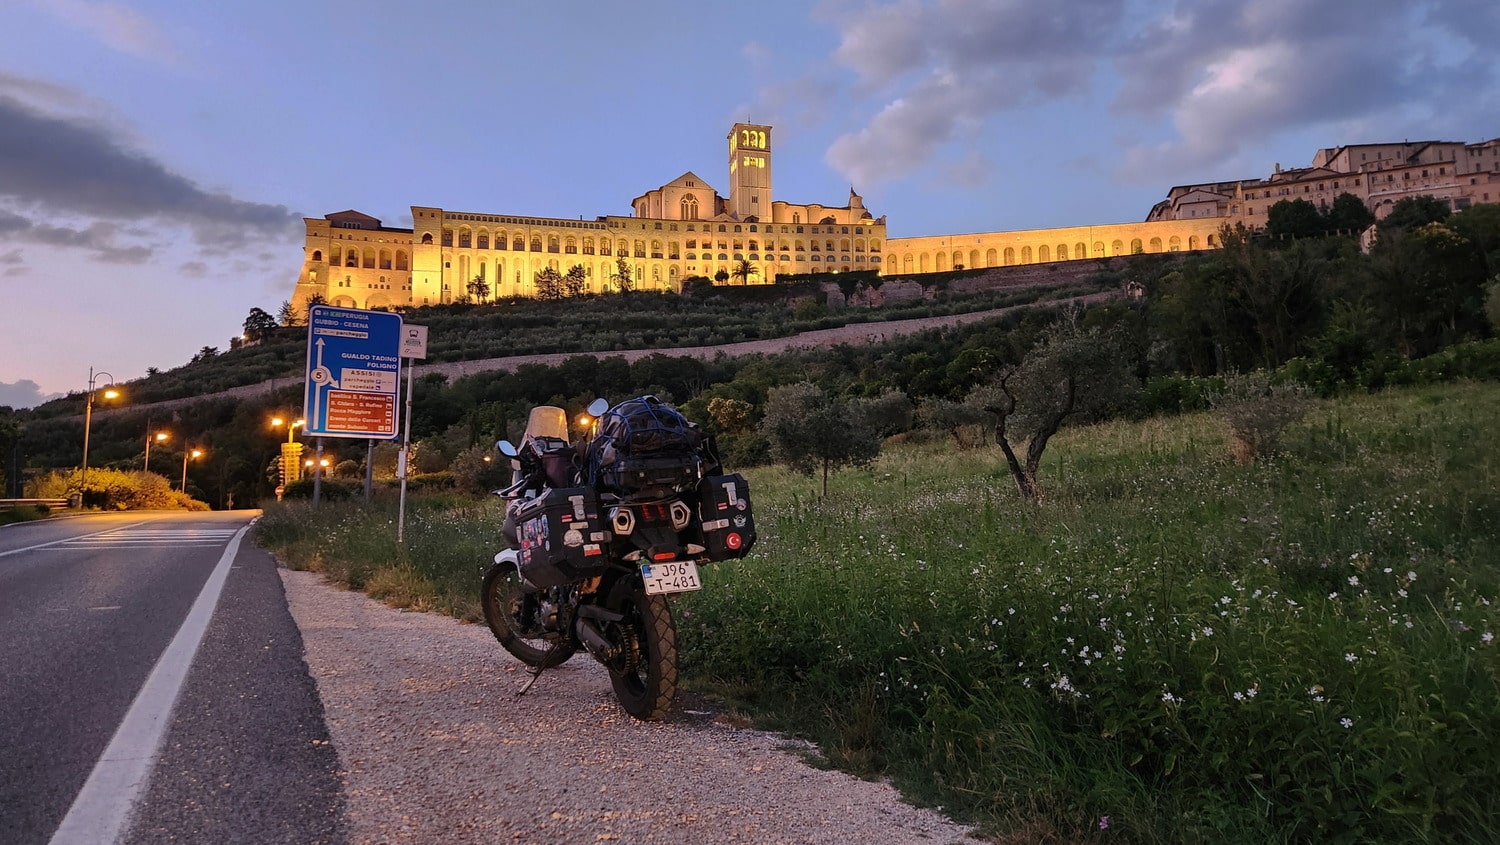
<point>637,440</point>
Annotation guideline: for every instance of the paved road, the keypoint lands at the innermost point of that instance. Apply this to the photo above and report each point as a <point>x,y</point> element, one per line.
<point>164,639</point>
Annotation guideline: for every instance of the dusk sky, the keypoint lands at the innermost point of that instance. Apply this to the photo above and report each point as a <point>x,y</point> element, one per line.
<point>156,157</point>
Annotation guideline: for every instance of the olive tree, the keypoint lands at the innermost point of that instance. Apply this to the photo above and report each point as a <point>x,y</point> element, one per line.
<point>1071,375</point>
<point>810,429</point>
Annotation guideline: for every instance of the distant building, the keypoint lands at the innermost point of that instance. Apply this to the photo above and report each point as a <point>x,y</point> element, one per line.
<point>686,228</point>
<point>1380,175</point>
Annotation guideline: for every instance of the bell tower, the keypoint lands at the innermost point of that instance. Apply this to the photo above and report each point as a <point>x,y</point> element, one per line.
<point>750,171</point>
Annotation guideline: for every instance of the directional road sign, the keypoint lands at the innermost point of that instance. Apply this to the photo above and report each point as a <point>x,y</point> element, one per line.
<point>353,372</point>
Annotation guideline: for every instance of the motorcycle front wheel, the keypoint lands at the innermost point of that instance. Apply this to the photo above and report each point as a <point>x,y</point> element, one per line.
<point>644,675</point>
<point>514,618</point>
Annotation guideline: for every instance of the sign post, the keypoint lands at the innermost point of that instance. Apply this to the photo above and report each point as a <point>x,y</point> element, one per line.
<point>413,347</point>
<point>353,376</point>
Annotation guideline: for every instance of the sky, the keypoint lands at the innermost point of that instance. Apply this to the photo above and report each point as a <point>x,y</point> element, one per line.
<point>157,156</point>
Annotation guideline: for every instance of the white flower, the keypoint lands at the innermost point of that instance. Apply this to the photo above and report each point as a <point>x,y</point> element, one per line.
<point>1354,580</point>
<point>1239,696</point>
<point>1333,596</point>
<point>1207,631</point>
<point>1411,576</point>
<point>1349,656</point>
<point>1223,599</point>
<point>1170,698</point>
<point>1347,722</point>
<point>1487,637</point>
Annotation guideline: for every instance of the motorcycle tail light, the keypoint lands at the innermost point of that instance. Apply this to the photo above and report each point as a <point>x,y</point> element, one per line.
<point>664,556</point>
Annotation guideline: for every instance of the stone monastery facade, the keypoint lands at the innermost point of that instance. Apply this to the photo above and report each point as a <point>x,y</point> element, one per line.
<point>686,228</point>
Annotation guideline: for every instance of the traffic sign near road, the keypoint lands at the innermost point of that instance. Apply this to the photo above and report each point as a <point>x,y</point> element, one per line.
<point>353,372</point>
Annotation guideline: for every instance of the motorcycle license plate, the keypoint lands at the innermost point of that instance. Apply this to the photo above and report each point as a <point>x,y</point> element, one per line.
<point>670,576</point>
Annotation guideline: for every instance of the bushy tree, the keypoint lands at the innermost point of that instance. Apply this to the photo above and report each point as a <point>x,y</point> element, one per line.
<point>479,288</point>
<point>575,281</point>
<point>959,420</point>
<point>259,325</point>
<point>1294,219</point>
<point>887,414</point>
<point>623,278</point>
<point>549,284</point>
<point>1349,214</point>
<point>1414,213</point>
<point>479,469</point>
<point>1071,375</point>
<point>810,429</point>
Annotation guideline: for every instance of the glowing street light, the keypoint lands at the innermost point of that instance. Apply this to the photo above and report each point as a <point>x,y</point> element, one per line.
<point>195,455</point>
<point>291,428</point>
<point>88,415</point>
<point>159,437</point>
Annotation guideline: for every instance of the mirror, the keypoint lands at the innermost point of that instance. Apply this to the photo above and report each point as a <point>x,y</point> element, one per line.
<point>598,407</point>
<point>507,449</point>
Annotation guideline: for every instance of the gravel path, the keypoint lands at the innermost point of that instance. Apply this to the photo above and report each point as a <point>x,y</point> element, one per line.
<point>436,748</point>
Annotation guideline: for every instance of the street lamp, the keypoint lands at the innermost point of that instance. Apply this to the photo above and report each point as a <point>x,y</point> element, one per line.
<point>291,428</point>
<point>195,454</point>
<point>159,437</point>
<point>88,415</point>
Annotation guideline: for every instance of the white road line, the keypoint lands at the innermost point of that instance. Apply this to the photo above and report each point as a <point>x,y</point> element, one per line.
<point>58,542</point>
<point>101,812</point>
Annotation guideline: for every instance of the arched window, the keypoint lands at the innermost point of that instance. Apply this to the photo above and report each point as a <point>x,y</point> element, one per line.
<point>427,238</point>
<point>483,241</point>
<point>401,260</point>
<point>940,262</point>
<point>1080,251</point>
<point>317,255</point>
<point>1025,255</point>
<point>656,249</point>
<point>369,259</point>
<point>989,258</point>
<point>1193,239</point>
<point>1136,247</point>
<point>689,207</point>
<point>518,243</point>
<point>1062,252</point>
<point>536,243</point>
<point>1117,247</point>
<point>385,259</point>
<point>447,237</point>
<point>553,245</point>
<point>465,238</point>
<point>1043,254</point>
<point>973,258</point>
<point>1156,244</point>
<point>570,246</point>
<point>1010,256</point>
<point>351,259</point>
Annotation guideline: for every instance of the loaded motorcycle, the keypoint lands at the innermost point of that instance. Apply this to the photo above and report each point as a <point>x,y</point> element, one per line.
<point>601,532</point>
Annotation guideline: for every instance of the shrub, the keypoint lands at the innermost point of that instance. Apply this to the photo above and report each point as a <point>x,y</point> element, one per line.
<point>1258,412</point>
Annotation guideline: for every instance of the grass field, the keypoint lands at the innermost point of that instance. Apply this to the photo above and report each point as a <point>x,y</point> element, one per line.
<point>1169,647</point>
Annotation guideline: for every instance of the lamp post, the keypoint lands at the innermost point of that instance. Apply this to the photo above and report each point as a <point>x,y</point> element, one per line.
<point>88,415</point>
<point>159,437</point>
<point>291,451</point>
<point>194,454</point>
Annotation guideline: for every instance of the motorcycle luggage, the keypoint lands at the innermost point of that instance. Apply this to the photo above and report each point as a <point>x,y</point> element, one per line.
<point>650,474</point>
<point>563,537</point>
<point>727,520</point>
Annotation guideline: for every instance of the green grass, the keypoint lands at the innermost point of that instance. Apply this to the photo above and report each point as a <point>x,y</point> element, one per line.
<point>1298,650</point>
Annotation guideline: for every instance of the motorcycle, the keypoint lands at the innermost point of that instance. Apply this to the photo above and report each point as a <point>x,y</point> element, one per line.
<point>600,533</point>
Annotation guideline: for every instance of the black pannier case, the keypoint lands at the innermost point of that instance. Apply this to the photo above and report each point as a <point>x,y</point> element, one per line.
<point>563,537</point>
<point>728,522</point>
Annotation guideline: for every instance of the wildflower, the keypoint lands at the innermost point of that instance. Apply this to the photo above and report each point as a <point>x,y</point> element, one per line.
<point>1169,698</point>
<point>1223,599</point>
<point>1104,822</point>
<point>1239,696</point>
<point>1332,596</point>
<point>1347,722</point>
<point>1487,637</point>
<point>1207,631</point>
<point>1354,580</point>
<point>1411,576</point>
<point>1350,657</point>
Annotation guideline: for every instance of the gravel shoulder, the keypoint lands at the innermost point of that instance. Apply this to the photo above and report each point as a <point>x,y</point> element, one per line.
<point>435,746</point>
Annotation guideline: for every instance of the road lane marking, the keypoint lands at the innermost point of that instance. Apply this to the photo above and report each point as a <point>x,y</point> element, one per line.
<point>102,809</point>
<point>66,539</point>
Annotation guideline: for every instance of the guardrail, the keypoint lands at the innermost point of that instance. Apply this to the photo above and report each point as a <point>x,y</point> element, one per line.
<point>9,504</point>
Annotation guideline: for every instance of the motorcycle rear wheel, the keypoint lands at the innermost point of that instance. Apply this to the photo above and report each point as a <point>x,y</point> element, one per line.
<point>511,614</point>
<point>645,674</point>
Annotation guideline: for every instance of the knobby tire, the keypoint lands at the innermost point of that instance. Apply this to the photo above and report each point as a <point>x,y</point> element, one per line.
<point>645,676</point>
<point>511,614</point>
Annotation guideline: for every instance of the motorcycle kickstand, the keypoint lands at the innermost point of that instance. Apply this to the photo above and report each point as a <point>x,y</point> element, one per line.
<point>534,673</point>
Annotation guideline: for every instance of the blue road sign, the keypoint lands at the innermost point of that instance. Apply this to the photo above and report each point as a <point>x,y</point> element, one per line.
<point>353,372</point>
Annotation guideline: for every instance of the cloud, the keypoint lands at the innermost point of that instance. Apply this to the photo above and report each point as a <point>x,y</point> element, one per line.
<point>194,269</point>
<point>75,165</point>
<point>99,238</point>
<point>117,26</point>
<point>23,394</point>
<point>946,67</point>
<point>1215,77</point>
<point>1231,76</point>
